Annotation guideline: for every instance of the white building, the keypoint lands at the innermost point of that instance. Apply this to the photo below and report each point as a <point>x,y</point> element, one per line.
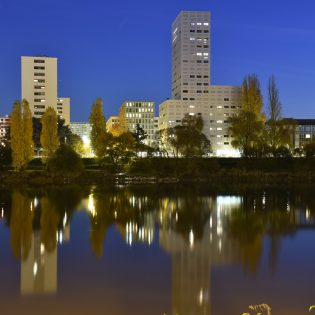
<point>4,126</point>
<point>82,129</point>
<point>142,113</point>
<point>40,87</point>
<point>191,90</point>
<point>63,109</point>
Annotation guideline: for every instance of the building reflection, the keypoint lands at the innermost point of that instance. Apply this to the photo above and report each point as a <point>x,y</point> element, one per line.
<point>39,272</point>
<point>192,259</point>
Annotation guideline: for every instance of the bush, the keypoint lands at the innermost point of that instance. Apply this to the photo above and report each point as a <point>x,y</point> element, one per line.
<point>65,162</point>
<point>5,155</point>
<point>309,150</point>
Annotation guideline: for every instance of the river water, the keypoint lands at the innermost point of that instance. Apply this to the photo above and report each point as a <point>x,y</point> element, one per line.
<point>156,250</point>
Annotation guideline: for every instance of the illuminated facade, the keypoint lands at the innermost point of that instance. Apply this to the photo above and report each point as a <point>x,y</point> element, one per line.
<point>4,126</point>
<point>40,86</point>
<point>192,92</point>
<point>304,132</point>
<point>142,113</point>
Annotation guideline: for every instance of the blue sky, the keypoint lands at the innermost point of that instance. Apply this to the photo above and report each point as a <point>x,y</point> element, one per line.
<point>121,49</point>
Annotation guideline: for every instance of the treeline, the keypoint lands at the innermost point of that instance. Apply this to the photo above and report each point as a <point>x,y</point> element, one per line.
<point>258,134</point>
<point>47,137</point>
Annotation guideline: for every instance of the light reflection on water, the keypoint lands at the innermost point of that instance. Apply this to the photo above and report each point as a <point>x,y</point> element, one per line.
<point>201,233</point>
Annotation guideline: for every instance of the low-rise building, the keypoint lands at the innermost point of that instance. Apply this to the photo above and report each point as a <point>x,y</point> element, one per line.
<point>112,124</point>
<point>304,132</point>
<point>223,102</point>
<point>82,129</point>
<point>139,112</point>
<point>63,109</point>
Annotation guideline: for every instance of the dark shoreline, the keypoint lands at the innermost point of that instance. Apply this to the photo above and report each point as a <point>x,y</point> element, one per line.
<point>222,177</point>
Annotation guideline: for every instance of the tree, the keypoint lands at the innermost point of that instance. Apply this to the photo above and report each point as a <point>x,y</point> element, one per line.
<point>186,139</point>
<point>21,225</point>
<point>21,135</point>
<point>246,127</point>
<point>274,104</point>
<point>139,135</point>
<point>120,150</point>
<point>123,124</point>
<point>5,155</point>
<point>76,143</point>
<point>27,132</point>
<point>246,130</point>
<point>37,129</point>
<point>49,136</point>
<point>251,97</point>
<point>98,125</point>
<point>309,149</point>
<point>65,162</point>
<point>189,139</point>
<point>278,131</point>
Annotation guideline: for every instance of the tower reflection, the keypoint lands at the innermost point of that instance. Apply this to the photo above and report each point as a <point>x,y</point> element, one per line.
<point>192,259</point>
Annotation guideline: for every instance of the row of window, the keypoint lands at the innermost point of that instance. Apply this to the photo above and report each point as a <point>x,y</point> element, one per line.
<point>199,31</point>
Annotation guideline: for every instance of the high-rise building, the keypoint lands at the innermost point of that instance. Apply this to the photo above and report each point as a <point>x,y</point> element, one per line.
<point>191,78</point>
<point>191,56</point>
<point>40,87</point>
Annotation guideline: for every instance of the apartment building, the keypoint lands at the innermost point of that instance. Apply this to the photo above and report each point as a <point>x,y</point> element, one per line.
<point>40,86</point>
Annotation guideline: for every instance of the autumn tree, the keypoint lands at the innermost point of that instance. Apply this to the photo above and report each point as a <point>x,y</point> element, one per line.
<point>21,225</point>
<point>246,127</point>
<point>49,135</point>
<point>98,126</point>
<point>278,131</point>
<point>21,133</point>
<point>27,132</point>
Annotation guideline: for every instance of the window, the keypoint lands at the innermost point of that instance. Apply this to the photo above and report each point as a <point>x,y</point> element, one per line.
<point>39,68</point>
<point>39,74</point>
<point>226,99</point>
<point>39,61</point>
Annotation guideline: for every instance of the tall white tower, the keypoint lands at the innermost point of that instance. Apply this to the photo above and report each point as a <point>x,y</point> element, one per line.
<point>40,88</point>
<point>191,56</point>
<point>39,83</point>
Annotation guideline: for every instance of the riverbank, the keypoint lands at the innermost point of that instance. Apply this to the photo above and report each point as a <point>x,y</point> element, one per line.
<point>212,171</point>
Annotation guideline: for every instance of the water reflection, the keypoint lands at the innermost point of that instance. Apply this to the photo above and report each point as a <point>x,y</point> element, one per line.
<point>199,231</point>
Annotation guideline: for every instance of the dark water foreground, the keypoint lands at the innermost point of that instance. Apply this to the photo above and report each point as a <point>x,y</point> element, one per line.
<point>156,250</point>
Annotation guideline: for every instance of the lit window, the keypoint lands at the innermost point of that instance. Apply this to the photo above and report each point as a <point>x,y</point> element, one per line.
<point>308,136</point>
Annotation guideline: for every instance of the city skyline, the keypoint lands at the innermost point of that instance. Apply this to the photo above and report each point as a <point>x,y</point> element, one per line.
<point>141,69</point>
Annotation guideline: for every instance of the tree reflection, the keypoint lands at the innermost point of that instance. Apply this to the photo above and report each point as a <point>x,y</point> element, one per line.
<point>48,224</point>
<point>21,225</point>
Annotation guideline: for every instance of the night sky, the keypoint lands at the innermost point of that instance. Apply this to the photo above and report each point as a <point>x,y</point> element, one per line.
<point>121,49</point>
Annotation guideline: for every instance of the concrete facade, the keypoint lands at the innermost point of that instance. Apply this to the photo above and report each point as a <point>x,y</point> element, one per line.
<point>142,113</point>
<point>39,82</point>
<point>63,109</point>
<point>191,78</point>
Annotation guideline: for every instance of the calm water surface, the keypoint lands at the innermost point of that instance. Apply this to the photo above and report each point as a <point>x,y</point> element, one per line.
<point>156,250</point>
